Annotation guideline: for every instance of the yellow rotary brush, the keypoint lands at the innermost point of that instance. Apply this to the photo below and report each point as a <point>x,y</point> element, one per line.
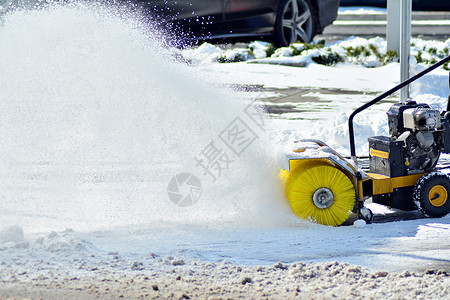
<point>321,193</point>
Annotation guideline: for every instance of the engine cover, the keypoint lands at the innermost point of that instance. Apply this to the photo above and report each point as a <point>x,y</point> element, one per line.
<point>395,116</point>
<point>421,118</point>
<point>419,135</point>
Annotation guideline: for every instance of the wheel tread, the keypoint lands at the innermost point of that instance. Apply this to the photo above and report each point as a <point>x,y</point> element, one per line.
<point>421,190</point>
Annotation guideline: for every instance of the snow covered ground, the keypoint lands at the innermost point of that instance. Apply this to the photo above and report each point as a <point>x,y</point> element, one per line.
<point>98,124</point>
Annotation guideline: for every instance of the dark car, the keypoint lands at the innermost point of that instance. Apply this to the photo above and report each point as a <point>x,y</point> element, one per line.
<point>438,5</point>
<point>283,21</point>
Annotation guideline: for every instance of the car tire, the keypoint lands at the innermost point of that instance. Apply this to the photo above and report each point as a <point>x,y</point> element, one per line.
<point>296,21</point>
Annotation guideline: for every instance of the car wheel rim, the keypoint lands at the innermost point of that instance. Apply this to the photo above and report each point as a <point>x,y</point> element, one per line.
<point>296,23</point>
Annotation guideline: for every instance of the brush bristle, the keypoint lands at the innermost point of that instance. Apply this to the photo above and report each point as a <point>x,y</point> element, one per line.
<point>305,180</point>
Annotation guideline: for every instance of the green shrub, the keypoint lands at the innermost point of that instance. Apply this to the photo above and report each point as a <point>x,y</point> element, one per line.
<point>390,56</point>
<point>418,57</point>
<point>296,51</point>
<point>329,59</point>
<point>375,51</point>
<point>432,50</point>
<point>270,50</point>
<point>236,57</point>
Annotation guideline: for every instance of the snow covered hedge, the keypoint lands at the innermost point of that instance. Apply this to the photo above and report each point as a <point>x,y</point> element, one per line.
<point>367,52</point>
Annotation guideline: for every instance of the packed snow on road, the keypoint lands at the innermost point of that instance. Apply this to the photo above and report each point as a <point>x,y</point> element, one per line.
<point>105,131</point>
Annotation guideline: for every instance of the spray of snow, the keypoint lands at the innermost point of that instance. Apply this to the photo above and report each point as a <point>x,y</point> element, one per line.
<point>98,118</point>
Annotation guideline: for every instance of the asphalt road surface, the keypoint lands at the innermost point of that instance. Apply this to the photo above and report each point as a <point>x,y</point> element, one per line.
<point>426,25</point>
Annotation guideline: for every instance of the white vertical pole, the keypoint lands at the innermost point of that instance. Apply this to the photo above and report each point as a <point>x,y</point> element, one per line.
<point>405,45</point>
<point>393,25</point>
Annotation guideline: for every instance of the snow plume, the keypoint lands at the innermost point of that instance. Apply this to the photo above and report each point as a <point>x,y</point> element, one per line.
<point>98,118</point>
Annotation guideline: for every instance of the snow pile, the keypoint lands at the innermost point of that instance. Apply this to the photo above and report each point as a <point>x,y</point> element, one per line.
<point>338,135</point>
<point>261,49</point>
<point>334,130</point>
<point>433,87</point>
<point>429,51</point>
<point>359,223</point>
<point>208,53</point>
<point>11,234</point>
<point>204,54</point>
<point>88,273</point>
<point>235,55</point>
<point>310,149</point>
<point>64,242</point>
<point>356,50</point>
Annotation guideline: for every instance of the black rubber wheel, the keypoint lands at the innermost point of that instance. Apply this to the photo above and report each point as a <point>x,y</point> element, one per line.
<point>431,194</point>
<point>296,21</point>
<point>366,215</point>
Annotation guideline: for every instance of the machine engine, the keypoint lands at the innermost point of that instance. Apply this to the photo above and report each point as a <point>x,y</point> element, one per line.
<point>419,134</point>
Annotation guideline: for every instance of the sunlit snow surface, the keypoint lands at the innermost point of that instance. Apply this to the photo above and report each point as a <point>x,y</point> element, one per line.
<point>97,119</point>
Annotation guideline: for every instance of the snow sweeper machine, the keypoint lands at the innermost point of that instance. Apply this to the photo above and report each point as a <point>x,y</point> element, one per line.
<point>402,171</point>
